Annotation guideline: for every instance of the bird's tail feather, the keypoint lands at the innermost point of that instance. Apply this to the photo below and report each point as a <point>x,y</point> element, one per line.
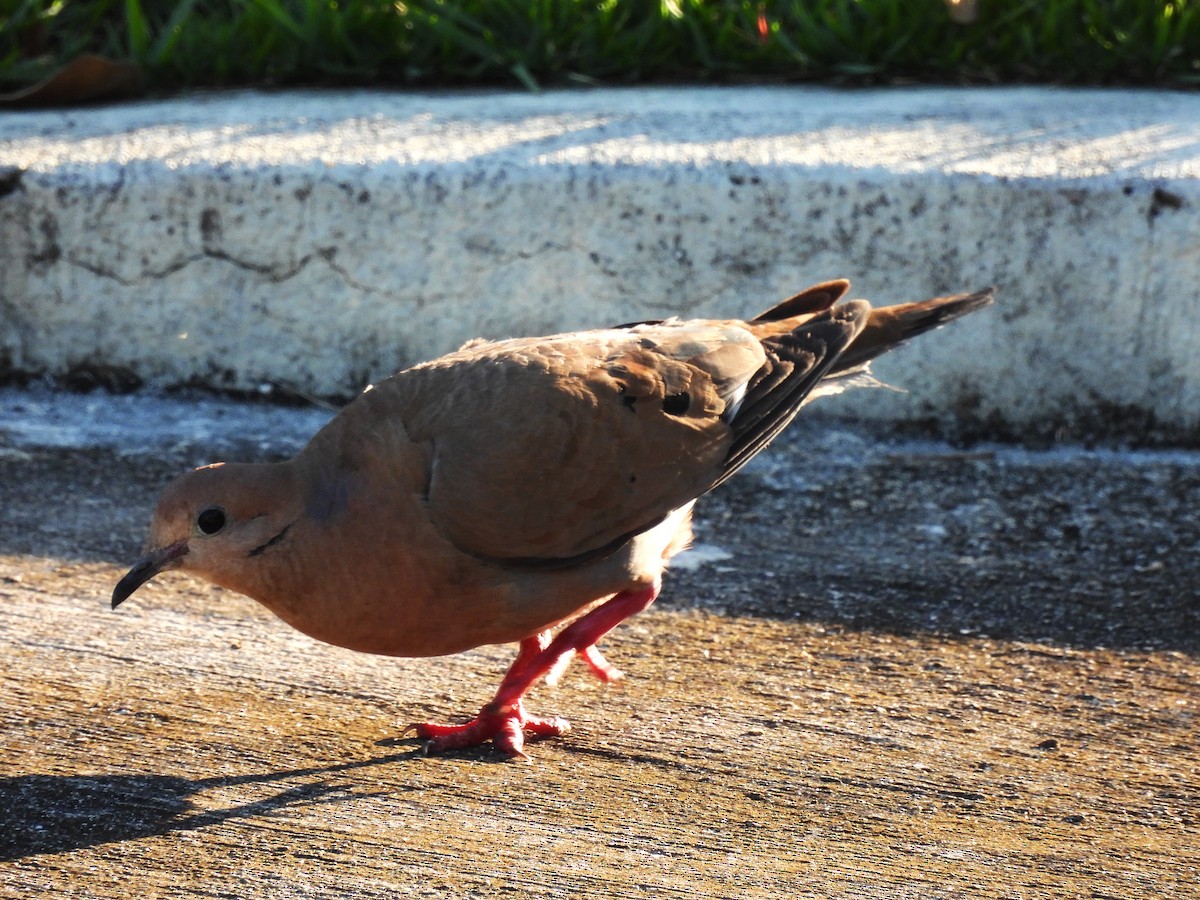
<point>890,326</point>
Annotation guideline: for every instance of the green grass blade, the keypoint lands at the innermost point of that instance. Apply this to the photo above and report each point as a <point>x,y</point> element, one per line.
<point>137,28</point>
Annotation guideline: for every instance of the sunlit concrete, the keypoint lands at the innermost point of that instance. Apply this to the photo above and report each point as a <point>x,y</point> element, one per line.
<point>321,240</point>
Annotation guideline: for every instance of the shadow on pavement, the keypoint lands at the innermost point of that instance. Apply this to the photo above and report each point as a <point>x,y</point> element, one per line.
<point>59,813</point>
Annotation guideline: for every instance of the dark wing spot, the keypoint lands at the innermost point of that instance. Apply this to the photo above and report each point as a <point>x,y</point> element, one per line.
<point>677,404</point>
<point>627,398</point>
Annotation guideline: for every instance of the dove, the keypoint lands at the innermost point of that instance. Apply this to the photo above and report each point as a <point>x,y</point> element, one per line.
<point>529,491</point>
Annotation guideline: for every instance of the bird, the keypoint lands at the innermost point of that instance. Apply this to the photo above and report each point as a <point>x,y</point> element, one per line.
<point>530,490</point>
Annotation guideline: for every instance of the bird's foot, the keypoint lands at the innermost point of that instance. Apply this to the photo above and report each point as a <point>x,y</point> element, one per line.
<point>504,721</point>
<point>508,728</point>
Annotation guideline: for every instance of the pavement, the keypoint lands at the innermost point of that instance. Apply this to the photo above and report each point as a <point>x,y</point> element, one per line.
<point>890,668</point>
<point>315,241</point>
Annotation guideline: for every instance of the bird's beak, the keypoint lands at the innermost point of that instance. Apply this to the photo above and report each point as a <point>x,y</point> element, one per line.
<point>145,569</point>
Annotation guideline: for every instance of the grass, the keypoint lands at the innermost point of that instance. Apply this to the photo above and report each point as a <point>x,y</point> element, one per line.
<point>199,43</point>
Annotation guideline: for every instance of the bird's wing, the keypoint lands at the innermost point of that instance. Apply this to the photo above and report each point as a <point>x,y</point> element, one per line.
<point>551,451</point>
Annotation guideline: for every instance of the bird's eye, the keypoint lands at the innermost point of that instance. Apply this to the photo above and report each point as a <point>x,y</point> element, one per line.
<point>211,520</point>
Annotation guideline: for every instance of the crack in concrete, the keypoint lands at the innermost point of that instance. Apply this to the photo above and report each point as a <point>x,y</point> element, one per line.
<point>328,254</point>
<point>272,273</point>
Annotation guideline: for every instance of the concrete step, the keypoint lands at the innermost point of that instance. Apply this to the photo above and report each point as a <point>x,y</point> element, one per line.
<point>319,241</point>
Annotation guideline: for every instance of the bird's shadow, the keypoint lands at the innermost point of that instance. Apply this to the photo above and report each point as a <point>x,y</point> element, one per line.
<point>45,814</point>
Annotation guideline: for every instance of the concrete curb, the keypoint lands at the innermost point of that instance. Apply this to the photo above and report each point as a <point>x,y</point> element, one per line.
<point>322,240</point>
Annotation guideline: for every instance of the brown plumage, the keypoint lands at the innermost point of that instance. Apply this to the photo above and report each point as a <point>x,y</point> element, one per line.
<point>506,488</point>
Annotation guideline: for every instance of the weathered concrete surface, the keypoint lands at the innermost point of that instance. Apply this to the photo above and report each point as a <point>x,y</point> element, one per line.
<point>321,240</point>
<point>903,671</point>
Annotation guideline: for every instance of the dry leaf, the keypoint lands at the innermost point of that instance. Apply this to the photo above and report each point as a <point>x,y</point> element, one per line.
<point>85,79</point>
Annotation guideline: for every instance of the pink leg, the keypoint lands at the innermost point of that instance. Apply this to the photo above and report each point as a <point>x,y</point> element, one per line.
<point>599,666</point>
<point>504,720</point>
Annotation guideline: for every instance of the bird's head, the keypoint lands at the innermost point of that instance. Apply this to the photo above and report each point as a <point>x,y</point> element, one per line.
<point>214,522</point>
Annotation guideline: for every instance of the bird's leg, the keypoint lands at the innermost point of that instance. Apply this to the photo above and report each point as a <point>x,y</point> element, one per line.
<point>504,720</point>
<point>599,666</point>
<point>530,647</point>
<point>528,650</point>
